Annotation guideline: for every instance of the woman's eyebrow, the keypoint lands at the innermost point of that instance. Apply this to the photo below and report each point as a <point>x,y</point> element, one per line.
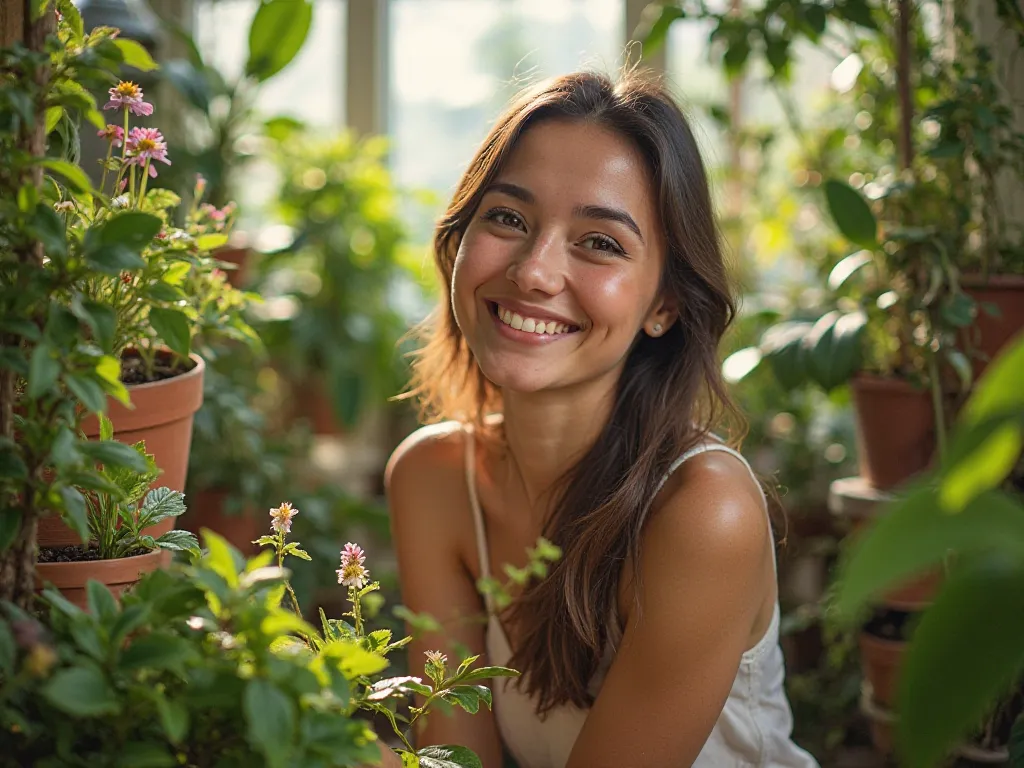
<point>599,212</point>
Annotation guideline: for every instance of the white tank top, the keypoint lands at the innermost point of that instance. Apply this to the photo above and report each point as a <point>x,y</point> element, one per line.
<point>755,724</point>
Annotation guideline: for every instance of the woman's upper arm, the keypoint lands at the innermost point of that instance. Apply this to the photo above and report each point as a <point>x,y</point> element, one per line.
<point>427,520</point>
<point>702,587</point>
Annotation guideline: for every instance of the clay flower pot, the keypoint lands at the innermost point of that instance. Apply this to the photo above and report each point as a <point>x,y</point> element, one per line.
<point>162,416</point>
<point>881,660</point>
<point>895,429</point>
<point>990,334</point>
<point>206,510</point>
<point>240,258</point>
<point>117,575</point>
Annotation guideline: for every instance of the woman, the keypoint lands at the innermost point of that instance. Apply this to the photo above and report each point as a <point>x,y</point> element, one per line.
<point>575,359</point>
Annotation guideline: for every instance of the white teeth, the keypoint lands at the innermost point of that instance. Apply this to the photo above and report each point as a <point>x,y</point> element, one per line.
<point>530,325</point>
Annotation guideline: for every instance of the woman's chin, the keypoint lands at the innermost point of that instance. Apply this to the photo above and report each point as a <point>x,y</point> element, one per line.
<point>512,378</point>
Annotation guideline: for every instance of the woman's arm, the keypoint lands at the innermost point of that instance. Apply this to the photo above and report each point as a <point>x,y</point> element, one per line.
<point>429,508</point>
<point>705,565</point>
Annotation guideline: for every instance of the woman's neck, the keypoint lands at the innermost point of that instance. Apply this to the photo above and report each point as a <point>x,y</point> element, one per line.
<point>547,433</point>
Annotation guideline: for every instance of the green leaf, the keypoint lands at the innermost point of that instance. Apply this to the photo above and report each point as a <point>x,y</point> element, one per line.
<point>157,651</point>
<point>102,603</point>
<point>161,503</point>
<point>161,291</point>
<point>847,267</point>
<point>53,116</point>
<point>114,454</point>
<point>114,258</point>
<point>101,319</point>
<point>43,370</point>
<point>856,11</point>
<point>74,176</point>
<point>448,756</point>
<point>180,541</point>
<point>149,754</point>
<point>353,660</point>
<point>654,25</point>
<point>485,673</point>
<point>270,717</point>
<point>980,464</point>
<point>173,718</point>
<point>81,692</point>
<point>88,391</point>
<point>211,242</point>
<point>833,348</point>
<point>10,524</point>
<point>278,32</point>
<point>47,227</point>
<point>998,391</point>
<point>135,55</point>
<point>468,697</point>
<point>172,327</point>
<point>75,514</point>
<point>12,466</point>
<point>176,273</point>
<point>917,532</point>
<point>783,347</point>
<point>958,310</point>
<point>133,229</point>
<point>221,557</point>
<point>851,213</point>
<point>14,359</point>
<point>960,660</point>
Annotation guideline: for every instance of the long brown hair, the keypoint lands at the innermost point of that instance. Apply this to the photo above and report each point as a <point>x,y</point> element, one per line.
<point>669,397</point>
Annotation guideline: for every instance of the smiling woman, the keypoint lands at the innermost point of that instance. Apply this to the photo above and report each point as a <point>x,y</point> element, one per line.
<point>575,359</point>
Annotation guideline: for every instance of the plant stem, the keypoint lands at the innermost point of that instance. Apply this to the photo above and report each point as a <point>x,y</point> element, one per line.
<point>142,184</point>
<point>280,564</point>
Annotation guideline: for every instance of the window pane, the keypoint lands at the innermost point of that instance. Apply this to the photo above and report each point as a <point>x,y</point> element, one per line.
<point>453,65</point>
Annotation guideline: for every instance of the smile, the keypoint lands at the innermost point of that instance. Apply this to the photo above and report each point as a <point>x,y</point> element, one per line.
<point>530,325</point>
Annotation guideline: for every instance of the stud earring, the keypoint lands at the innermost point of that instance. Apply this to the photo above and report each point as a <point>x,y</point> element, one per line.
<point>657,328</point>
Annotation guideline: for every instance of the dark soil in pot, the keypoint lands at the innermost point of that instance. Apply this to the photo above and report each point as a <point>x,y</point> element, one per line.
<point>77,554</point>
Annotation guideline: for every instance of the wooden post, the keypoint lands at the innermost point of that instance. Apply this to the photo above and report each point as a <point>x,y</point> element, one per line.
<point>12,22</point>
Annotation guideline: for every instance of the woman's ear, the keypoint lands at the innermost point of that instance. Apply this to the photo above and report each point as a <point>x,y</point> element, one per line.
<point>661,317</point>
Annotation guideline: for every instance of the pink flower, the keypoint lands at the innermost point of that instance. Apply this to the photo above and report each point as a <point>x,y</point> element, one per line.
<point>281,517</point>
<point>112,133</point>
<point>352,573</point>
<point>200,186</point>
<point>127,95</point>
<point>147,144</point>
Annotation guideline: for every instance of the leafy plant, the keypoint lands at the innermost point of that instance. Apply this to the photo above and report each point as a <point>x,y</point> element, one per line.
<point>222,111</point>
<point>969,515</point>
<point>117,521</point>
<point>328,310</point>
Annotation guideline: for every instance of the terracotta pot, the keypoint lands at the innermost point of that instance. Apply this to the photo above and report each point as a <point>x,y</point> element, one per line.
<point>240,257</point>
<point>990,334</point>
<point>880,661</point>
<point>916,594</point>
<point>206,510</point>
<point>117,575</point>
<point>162,416</point>
<point>895,429</point>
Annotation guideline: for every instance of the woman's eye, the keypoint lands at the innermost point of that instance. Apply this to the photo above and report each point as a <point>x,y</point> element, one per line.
<point>505,217</point>
<point>603,243</point>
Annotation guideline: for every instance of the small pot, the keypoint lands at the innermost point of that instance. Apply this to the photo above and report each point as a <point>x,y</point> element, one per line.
<point>162,416</point>
<point>895,429</point>
<point>206,510</point>
<point>990,334</point>
<point>117,575</point>
<point>240,258</point>
<point>880,661</point>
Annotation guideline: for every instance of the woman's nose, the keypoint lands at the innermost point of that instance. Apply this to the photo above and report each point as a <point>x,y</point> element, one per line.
<point>539,266</point>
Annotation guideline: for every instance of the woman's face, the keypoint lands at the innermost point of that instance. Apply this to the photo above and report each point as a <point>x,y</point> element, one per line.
<point>560,267</point>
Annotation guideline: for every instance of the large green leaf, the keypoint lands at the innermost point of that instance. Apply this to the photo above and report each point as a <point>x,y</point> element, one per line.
<point>102,603</point>
<point>469,697</point>
<point>278,32</point>
<point>74,176</point>
<point>783,348</point>
<point>851,214</point>
<point>967,650</point>
<point>917,533</point>
<point>448,756</point>
<point>75,514</point>
<point>81,692</point>
<point>135,55</point>
<point>43,370</point>
<point>173,328</point>
<point>998,391</point>
<point>833,348</point>
<point>112,453</point>
<point>654,25</point>
<point>270,716</point>
<point>173,717</point>
<point>132,229</point>
<point>161,503</point>
<point>47,227</point>
<point>179,541</point>
<point>221,557</point>
<point>352,659</point>
<point>88,391</point>
<point>114,258</point>
<point>157,651</point>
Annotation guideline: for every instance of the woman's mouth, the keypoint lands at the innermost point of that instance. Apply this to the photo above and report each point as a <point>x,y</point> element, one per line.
<point>530,325</point>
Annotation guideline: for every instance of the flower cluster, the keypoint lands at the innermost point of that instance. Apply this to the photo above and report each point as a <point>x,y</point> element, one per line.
<point>352,572</point>
<point>128,96</point>
<point>281,517</point>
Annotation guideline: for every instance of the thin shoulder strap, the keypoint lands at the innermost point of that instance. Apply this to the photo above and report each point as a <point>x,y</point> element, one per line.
<point>474,504</point>
<point>712,446</point>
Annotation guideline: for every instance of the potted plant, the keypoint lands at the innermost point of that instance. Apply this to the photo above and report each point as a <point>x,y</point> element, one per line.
<point>221,111</point>
<point>328,320</point>
<point>118,549</point>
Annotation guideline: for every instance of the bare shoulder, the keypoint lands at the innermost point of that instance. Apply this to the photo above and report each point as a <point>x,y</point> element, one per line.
<point>427,451</point>
<point>712,509</point>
